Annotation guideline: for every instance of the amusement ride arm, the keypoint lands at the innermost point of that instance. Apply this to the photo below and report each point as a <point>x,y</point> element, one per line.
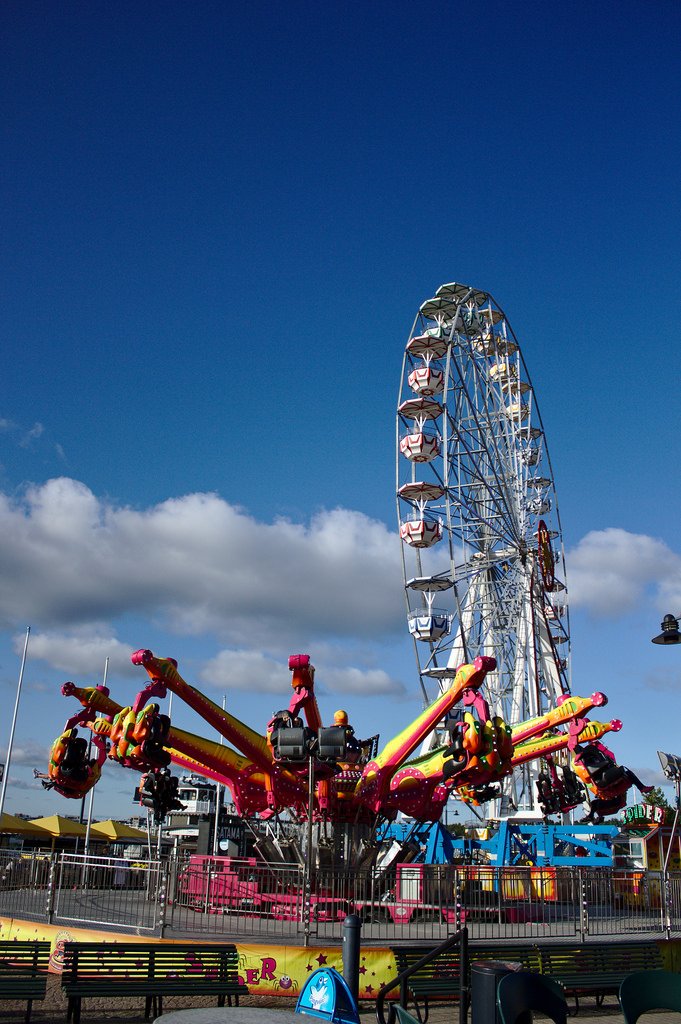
<point>542,745</point>
<point>567,709</point>
<point>163,673</point>
<point>377,774</point>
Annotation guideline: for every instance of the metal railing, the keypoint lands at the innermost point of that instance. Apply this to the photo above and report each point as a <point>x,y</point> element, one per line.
<point>224,898</point>
<point>459,939</point>
<point>112,891</point>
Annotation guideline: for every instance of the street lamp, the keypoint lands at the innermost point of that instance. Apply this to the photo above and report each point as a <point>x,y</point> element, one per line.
<point>670,631</point>
<point>671,767</point>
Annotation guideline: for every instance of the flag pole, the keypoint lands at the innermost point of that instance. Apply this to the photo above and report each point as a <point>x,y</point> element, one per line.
<point>92,791</point>
<point>218,795</point>
<point>5,776</point>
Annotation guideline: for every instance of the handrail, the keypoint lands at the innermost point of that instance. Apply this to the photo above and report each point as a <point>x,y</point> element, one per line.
<point>459,938</point>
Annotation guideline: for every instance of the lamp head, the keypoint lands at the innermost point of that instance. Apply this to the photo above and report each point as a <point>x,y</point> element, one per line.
<point>670,631</point>
<point>671,766</point>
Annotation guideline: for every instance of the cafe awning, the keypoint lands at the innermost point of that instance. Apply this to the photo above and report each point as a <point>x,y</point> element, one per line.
<point>13,826</point>
<point>115,831</point>
<point>59,827</point>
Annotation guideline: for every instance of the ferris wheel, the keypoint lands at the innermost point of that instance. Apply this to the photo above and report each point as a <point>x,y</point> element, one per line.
<point>481,539</point>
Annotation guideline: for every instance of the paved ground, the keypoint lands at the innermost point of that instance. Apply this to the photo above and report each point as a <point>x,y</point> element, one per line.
<point>124,1011</point>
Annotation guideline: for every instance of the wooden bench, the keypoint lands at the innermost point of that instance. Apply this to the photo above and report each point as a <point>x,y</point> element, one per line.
<point>597,968</point>
<point>23,971</point>
<point>440,979</point>
<point>152,970</point>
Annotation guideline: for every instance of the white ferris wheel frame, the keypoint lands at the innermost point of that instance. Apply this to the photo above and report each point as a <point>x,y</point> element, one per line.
<point>489,495</point>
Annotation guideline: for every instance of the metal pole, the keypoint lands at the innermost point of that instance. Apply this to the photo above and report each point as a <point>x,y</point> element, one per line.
<point>666,886</point>
<point>5,776</point>
<point>307,886</point>
<point>310,808</point>
<point>92,791</point>
<point>352,930</point>
<point>674,824</point>
<point>218,793</point>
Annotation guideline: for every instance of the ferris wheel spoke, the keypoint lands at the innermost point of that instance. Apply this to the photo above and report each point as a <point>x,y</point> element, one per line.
<point>481,481</point>
<point>488,456</point>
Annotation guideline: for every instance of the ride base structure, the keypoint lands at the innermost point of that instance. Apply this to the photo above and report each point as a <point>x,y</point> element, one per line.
<point>308,773</point>
<point>513,843</point>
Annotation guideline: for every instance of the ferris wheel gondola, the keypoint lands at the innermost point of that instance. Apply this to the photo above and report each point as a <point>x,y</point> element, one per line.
<point>478,517</point>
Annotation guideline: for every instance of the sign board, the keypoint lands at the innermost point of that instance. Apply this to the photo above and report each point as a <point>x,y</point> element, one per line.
<point>326,995</point>
<point>645,814</point>
<point>233,830</point>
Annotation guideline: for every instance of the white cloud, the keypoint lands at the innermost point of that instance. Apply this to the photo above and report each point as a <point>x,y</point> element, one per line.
<point>81,652</point>
<point>257,673</point>
<point>16,783</point>
<point>610,570</point>
<point>27,752</point>
<point>201,564</point>
<point>362,682</point>
<point>36,431</point>
<point>246,670</point>
<point>34,439</point>
<point>651,777</point>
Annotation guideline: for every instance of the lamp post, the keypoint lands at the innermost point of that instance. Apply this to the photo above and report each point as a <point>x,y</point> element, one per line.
<point>670,631</point>
<point>92,791</point>
<point>671,767</point>
<point>218,797</point>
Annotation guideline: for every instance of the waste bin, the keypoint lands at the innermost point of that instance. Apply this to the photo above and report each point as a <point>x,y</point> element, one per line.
<point>485,978</point>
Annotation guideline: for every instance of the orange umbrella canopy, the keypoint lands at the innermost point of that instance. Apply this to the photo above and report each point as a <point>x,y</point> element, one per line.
<point>114,830</point>
<point>59,827</point>
<point>11,825</point>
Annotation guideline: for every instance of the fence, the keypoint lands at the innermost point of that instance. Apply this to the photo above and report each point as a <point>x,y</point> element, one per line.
<point>231,899</point>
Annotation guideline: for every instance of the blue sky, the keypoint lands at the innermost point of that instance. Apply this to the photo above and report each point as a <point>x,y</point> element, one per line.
<point>218,222</point>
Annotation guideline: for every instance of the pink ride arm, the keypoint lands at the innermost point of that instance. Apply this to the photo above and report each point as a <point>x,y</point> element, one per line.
<point>568,707</point>
<point>93,698</point>
<point>223,760</point>
<point>248,786</point>
<point>377,774</point>
<point>559,741</point>
<point>245,781</point>
<point>304,698</point>
<point>469,677</point>
<point>248,741</point>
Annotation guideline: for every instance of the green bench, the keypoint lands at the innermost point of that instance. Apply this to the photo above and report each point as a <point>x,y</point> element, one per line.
<point>596,968</point>
<point>440,979</point>
<point>23,971</point>
<point>150,970</point>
